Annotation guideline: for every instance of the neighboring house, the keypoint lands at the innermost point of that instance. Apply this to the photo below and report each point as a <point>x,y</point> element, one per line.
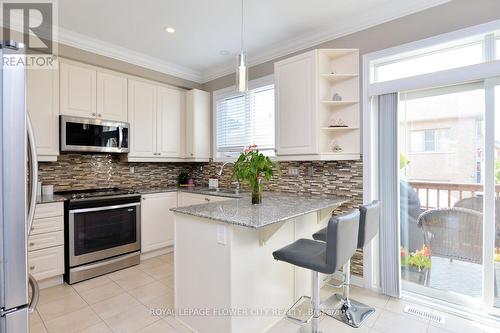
<point>441,134</point>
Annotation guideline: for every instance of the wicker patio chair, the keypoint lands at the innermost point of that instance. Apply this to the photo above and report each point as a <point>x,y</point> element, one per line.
<point>453,233</point>
<point>476,203</point>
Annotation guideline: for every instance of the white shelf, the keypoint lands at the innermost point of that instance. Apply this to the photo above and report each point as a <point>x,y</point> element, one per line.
<point>338,77</point>
<point>348,128</point>
<point>339,103</point>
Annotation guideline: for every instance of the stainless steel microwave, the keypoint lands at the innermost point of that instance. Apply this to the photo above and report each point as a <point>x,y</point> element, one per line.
<point>93,135</point>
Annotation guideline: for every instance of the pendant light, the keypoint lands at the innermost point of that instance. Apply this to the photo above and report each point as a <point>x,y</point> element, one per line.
<point>242,66</point>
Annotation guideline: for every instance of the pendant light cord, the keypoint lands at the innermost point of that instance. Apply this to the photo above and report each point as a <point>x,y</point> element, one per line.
<point>242,26</point>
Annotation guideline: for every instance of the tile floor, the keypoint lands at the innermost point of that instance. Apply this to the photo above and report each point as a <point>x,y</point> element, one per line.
<point>121,301</point>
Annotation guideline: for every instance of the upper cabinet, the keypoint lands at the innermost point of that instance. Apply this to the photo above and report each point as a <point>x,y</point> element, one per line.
<point>93,93</point>
<point>170,122</point>
<point>42,103</point>
<point>157,122</point>
<point>295,89</point>
<point>78,90</point>
<point>111,96</point>
<point>318,105</point>
<point>198,125</point>
<point>142,116</point>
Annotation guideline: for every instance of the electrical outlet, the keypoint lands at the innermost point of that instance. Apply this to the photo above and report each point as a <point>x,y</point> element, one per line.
<point>131,170</point>
<point>293,171</point>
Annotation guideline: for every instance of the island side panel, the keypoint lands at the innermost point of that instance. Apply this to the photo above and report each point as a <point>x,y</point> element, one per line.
<point>202,272</point>
<point>258,282</point>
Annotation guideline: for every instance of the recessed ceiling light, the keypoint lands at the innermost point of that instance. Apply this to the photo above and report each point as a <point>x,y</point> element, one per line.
<point>170,30</point>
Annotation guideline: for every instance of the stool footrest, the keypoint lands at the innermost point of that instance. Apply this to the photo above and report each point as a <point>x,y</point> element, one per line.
<point>350,312</point>
<point>301,311</point>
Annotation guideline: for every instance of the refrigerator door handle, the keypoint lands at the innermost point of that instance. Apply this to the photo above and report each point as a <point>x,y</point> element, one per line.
<point>33,161</point>
<point>35,294</point>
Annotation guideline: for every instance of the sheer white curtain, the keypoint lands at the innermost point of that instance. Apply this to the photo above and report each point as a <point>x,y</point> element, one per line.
<point>389,194</point>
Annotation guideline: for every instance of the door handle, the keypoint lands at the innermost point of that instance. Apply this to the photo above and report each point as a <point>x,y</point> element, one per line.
<point>33,172</point>
<point>35,294</point>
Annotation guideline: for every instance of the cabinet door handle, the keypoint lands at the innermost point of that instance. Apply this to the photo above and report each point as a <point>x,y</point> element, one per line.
<point>32,244</point>
<point>93,114</point>
<point>32,268</point>
<point>207,199</point>
<point>99,115</point>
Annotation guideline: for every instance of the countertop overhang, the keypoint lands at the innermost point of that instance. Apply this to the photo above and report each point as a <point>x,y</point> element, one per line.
<point>275,207</point>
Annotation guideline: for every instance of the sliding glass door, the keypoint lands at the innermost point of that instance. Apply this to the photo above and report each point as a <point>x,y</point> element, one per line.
<point>441,170</point>
<point>496,259</point>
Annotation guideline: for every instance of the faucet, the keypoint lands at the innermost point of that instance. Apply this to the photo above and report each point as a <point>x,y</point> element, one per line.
<point>237,189</point>
<point>222,167</point>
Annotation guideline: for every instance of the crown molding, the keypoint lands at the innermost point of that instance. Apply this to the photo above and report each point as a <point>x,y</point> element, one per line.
<point>110,50</point>
<point>310,40</point>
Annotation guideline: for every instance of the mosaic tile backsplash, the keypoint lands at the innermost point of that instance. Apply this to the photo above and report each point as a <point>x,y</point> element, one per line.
<point>86,171</point>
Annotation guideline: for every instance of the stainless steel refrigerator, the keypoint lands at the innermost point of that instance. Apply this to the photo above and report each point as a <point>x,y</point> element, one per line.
<point>18,181</point>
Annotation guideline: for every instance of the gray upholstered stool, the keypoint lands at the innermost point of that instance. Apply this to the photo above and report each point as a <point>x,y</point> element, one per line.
<point>342,307</point>
<point>323,257</point>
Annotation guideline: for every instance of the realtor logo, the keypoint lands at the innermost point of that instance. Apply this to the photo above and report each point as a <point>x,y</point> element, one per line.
<point>32,24</point>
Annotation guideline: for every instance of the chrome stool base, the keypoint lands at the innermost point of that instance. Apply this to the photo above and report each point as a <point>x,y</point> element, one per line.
<point>350,312</point>
<point>301,311</point>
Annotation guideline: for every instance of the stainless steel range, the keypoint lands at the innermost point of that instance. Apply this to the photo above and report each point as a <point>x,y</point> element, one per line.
<point>102,232</point>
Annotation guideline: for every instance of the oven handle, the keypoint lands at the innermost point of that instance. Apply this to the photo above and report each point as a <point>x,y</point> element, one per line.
<point>97,209</point>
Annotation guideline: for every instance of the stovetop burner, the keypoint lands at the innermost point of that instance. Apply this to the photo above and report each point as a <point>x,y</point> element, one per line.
<point>95,193</point>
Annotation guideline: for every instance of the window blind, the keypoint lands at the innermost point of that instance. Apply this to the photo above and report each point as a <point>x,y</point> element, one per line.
<point>246,119</point>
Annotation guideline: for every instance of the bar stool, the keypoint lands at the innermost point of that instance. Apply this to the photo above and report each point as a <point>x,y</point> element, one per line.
<point>345,309</point>
<point>323,257</point>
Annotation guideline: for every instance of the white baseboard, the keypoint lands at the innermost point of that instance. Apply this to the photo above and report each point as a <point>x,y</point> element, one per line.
<point>51,282</point>
<point>156,253</point>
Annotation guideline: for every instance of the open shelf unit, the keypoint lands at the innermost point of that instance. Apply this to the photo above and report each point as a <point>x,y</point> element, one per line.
<point>338,73</point>
<point>306,110</point>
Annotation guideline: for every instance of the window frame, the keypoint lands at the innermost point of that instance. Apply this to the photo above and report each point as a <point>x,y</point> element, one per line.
<point>228,93</point>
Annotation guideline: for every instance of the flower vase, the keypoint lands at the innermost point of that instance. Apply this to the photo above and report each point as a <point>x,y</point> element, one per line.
<point>257,193</point>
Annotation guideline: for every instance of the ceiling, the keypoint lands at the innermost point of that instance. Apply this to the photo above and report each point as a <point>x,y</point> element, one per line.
<point>134,31</point>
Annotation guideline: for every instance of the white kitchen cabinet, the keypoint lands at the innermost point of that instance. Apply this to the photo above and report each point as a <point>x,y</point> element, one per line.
<point>111,96</point>
<point>157,122</point>
<point>42,103</point>
<point>142,107</point>
<point>157,221</point>
<point>198,125</point>
<point>307,116</point>
<point>46,263</point>
<point>46,241</point>
<point>295,89</point>
<point>78,90</point>
<point>92,92</point>
<point>170,122</point>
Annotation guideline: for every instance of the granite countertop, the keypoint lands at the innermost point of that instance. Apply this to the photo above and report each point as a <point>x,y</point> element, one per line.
<point>41,199</point>
<point>151,190</point>
<point>275,207</point>
<point>194,190</point>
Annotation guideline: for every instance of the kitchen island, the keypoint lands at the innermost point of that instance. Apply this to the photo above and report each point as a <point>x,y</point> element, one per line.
<point>226,279</point>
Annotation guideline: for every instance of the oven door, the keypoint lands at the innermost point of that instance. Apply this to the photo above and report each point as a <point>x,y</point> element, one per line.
<point>103,232</point>
<point>93,135</point>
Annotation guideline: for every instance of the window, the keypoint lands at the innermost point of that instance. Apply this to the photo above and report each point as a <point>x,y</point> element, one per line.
<point>429,140</point>
<point>242,120</point>
<point>428,61</point>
